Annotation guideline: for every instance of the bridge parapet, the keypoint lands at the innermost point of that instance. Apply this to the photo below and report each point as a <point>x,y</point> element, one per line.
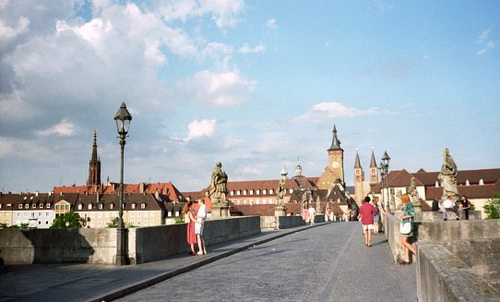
<point>458,260</point>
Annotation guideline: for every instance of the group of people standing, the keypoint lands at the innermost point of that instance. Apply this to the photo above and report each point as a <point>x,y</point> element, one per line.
<point>195,227</point>
<point>370,214</point>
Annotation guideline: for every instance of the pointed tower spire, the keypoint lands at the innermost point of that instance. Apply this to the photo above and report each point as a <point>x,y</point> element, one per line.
<point>335,141</point>
<point>94,165</point>
<point>373,163</point>
<point>357,162</point>
<point>283,172</point>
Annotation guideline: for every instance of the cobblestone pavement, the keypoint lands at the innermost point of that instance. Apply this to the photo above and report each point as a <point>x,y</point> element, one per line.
<point>325,263</point>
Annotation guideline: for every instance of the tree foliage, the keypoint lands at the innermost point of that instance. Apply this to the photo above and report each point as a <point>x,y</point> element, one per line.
<point>70,220</point>
<point>113,223</point>
<point>492,207</point>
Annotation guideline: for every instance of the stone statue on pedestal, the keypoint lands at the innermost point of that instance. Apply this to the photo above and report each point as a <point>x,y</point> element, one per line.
<point>280,193</point>
<point>411,190</point>
<point>318,204</point>
<point>448,176</point>
<point>218,186</point>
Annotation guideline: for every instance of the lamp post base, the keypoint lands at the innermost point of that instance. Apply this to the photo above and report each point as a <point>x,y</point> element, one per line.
<point>121,244</point>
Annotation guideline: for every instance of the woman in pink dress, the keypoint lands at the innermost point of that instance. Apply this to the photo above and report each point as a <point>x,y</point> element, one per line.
<point>189,217</point>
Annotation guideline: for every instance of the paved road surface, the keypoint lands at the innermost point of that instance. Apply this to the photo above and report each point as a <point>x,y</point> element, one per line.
<point>326,263</point>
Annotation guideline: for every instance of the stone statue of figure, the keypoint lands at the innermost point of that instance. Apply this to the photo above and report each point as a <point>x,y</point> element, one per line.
<point>218,185</point>
<point>280,193</point>
<point>413,193</point>
<point>398,203</point>
<point>448,175</point>
<point>318,204</point>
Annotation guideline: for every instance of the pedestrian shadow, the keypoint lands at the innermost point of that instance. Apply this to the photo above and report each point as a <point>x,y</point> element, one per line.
<point>380,242</point>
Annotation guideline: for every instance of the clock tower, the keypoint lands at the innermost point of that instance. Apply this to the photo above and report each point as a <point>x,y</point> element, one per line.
<point>334,172</point>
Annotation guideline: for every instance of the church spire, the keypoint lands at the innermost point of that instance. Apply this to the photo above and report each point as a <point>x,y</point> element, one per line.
<point>94,165</point>
<point>357,162</point>
<point>335,141</point>
<point>373,163</point>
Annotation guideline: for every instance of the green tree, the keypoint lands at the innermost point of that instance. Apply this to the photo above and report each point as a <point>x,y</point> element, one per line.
<point>70,220</point>
<point>492,206</point>
<point>113,223</point>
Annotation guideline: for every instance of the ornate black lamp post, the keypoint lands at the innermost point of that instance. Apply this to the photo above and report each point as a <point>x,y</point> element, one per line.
<point>122,119</point>
<point>384,171</point>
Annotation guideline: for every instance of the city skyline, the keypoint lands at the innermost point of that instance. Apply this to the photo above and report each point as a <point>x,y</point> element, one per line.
<point>252,84</point>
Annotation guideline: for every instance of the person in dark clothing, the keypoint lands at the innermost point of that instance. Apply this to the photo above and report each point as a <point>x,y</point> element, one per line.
<point>435,205</point>
<point>465,206</point>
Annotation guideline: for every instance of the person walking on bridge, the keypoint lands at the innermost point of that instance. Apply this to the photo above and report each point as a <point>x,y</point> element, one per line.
<point>366,213</point>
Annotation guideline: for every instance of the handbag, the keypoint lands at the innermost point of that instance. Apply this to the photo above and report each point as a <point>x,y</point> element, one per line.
<point>405,227</point>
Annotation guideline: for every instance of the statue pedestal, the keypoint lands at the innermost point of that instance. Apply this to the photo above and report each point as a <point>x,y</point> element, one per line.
<point>220,211</point>
<point>279,211</point>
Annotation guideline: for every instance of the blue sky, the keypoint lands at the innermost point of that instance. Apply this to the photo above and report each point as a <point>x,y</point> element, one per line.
<point>252,84</point>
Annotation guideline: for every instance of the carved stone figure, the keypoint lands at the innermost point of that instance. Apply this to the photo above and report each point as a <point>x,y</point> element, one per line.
<point>448,176</point>
<point>398,202</point>
<point>280,193</point>
<point>413,193</point>
<point>218,185</point>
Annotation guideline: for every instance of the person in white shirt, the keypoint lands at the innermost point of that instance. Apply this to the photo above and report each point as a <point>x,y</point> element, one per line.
<point>312,214</point>
<point>199,225</point>
<point>450,205</point>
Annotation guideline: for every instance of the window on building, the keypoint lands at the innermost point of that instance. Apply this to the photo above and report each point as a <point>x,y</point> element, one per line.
<point>132,206</point>
<point>89,206</point>
<point>41,206</point>
<point>231,193</point>
<point>99,223</point>
<point>101,206</point>
<point>238,193</point>
<point>251,192</point>
<point>143,205</point>
<point>99,215</point>
<point>244,192</point>
<point>132,214</point>
<point>264,192</point>
<point>271,192</point>
<point>48,205</point>
<point>258,192</point>
<point>111,206</point>
<point>291,191</point>
<point>26,206</point>
<point>169,213</point>
<point>33,206</point>
<point>80,206</point>
<point>238,201</point>
<point>20,206</point>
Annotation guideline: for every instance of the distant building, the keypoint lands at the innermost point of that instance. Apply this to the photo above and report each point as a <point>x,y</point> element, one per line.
<point>363,187</point>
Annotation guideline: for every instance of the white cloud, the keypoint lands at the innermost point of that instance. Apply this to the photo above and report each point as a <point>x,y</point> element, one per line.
<point>250,170</point>
<point>220,89</point>
<point>272,23</point>
<point>327,111</point>
<point>23,149</point>
<point>64,128</point>
<point>484,36</point>
<point>223,12</point>
<point>198,129</point>
<point>485,42</point>
<point>8,32</point>
<point>247,49</point>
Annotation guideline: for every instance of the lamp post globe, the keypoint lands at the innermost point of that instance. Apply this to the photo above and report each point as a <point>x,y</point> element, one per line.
<point>122,119</point>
